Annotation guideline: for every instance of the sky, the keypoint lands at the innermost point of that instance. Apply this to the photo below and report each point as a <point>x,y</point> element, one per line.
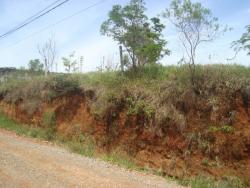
<point>81,33</point>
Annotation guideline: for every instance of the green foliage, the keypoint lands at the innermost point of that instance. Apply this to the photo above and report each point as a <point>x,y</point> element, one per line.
<point>70,63</point>
<point>138,107</point>
<point>49,123</point>
<point>62,84</point>
<point>49,119</point>
<point>152,89</point>
<point>32,91</point>
<point>119,158</point>
<point>244,42</point>
<point>84,147</point>
<point>35,65</point>
<point>209,182</point>
<point>213,129</point>
<point>196,25</point>
<point>224,128</point>
<point>141,37</point>
<point>194,21</point>
<point>22,129</point>
<point>227,129</point>
<point>149,72</point>
<point>205,162</point>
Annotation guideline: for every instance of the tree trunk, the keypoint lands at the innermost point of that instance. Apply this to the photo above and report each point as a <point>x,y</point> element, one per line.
<point>121,59</point>
<point>133,61</point>
<point>46,68</point>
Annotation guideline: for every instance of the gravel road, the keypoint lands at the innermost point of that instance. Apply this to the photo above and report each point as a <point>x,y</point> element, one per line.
<point>26,162</point>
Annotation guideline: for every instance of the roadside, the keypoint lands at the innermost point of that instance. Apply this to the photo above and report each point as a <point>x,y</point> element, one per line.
<point>27,162</point>
<point>116,165</point>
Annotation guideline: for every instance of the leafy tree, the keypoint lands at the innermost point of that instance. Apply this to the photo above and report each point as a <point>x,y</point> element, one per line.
<point>195,24</point>
<point>35,65</point>
<point>141,37</point>
<point>243,43</point>
<point>70,63</point>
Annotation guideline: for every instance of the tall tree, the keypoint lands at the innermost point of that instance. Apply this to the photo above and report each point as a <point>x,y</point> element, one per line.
<point>195,24</point>
<point>48,54</point>
<point>243,43</point>
<point>130,27</point>
<point>70,63</point>
<point>35,65</point>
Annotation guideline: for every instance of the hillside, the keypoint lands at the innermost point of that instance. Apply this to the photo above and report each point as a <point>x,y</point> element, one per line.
<point>152,115</point>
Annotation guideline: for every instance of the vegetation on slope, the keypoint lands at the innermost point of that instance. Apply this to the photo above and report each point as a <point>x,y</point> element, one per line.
<point>148,112</point>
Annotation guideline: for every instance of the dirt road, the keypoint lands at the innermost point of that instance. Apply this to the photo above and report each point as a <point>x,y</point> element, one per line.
<point>26,162</point>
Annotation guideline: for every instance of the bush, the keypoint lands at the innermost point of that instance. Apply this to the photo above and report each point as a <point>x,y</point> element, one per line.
<point>49,123</point>
<point>224,128</point>
<point>62,84</point>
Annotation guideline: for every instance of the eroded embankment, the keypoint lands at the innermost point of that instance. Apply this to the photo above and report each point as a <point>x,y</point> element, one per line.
<point>194,144</point>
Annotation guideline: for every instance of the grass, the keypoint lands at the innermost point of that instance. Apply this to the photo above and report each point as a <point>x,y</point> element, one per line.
<point>153,91</point>
<point>225,129</point>
<point>149,86</point>
<point>84,148</point>
<point>22,129</point>
<point>120,159</point>
<point>209,182</point>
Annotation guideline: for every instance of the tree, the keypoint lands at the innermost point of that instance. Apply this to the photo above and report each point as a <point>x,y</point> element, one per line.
<point>151,48</point>
<point>196,25</point>
<point>243,43</point>
<point>48,54</point>
<point>70,63</point>
<point>35,65</point>
<point>130,27</point>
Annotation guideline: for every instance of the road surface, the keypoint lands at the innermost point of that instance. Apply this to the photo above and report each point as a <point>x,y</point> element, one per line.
<point>26,163</point>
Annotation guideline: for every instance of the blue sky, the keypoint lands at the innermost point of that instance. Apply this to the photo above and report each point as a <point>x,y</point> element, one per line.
<point>81,33</point>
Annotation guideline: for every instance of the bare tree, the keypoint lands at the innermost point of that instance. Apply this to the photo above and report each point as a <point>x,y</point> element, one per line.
<point>196,25</point>
<point>48,54</point>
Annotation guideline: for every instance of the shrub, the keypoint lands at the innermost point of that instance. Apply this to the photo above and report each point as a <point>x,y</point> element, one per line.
<point>83,145</point>
<point>138,107</point>
<point>63,84</point>
<point>227,129</point>
<point>49,123</point>
<point>224,128</point>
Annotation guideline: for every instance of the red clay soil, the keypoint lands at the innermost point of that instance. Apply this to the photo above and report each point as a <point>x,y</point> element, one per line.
<point>190,152</point>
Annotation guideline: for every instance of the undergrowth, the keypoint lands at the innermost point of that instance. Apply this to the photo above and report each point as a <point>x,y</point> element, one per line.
<point>161,95</point>
<point>209,182</point>
<point>85,147</point>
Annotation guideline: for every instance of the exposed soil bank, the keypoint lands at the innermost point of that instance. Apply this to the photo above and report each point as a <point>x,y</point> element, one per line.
<point>207,138</point>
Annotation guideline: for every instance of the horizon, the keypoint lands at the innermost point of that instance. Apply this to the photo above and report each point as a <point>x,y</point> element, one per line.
<point>81,33</point>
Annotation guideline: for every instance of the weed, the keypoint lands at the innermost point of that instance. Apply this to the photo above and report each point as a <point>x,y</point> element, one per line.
<point>205,162</point>
<point>84,146</point>
<point>224,129</point>
<point>87,148</point>
<point>49,123</point>
<point>209,182</point>
<point>137,107</point>
<point>213,129</point>
<point>121,159</point>
<point>227,129</point>
<point>21,129</point>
